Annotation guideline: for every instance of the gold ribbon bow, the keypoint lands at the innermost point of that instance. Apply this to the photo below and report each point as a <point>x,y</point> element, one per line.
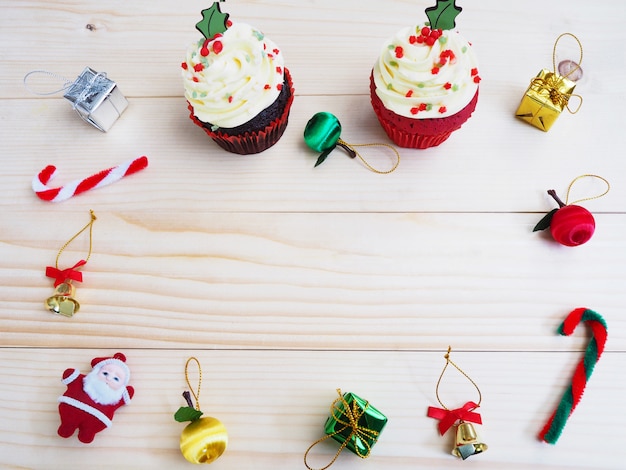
<point>553,83</point>
<point>340,408</point>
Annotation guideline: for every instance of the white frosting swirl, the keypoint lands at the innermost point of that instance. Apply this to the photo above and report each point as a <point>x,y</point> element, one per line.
<point>241,75</point>
<point>417,80</point>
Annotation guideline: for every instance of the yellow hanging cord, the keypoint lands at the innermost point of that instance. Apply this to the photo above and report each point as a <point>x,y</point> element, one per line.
<point>580,61</point>
<point>196,395</point>
<point>88,226</point>
<point>351,149</point>
<point>450,362</point>
<point>569,188</point>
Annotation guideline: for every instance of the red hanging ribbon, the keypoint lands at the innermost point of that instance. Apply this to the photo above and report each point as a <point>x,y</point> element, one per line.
<point>60,276</point>
<point>448,417</point>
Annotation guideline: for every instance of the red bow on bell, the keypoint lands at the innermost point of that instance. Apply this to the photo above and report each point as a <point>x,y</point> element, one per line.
<point>448,417</point>
<point>60,276</point>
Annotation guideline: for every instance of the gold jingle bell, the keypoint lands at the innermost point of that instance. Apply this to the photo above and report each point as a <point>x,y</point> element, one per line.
<point>467,442</point>
<point>62,302</point>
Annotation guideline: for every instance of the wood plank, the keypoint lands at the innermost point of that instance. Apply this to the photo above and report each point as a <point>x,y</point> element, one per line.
<point>495,163</point>
<point>274,404</point>
<point>330,45</point>
<point>386,281</point>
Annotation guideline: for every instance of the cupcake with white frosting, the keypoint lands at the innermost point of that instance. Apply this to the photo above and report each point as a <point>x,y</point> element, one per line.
<point>236,84</point>
<point>424,85</point>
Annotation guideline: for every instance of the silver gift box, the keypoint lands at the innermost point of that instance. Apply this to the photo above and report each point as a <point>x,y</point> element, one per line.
<point>96,99</point>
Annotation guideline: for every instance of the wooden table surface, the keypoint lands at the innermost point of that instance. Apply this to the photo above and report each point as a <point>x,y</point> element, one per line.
<point>288,281</point>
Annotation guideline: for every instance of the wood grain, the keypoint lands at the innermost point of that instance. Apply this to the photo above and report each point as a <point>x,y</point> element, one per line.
<point>289,281</point>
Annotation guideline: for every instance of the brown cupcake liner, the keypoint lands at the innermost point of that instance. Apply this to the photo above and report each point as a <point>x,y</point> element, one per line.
<point>251,142</point>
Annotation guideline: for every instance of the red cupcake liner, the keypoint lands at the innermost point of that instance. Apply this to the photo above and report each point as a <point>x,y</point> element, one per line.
<point>251,142</point>
<point>418,133</point>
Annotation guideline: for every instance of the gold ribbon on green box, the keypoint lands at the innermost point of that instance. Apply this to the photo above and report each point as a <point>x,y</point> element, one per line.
<point>354,423</point>
<point>548,94</point>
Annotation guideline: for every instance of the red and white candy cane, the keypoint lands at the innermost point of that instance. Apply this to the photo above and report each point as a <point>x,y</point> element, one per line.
<point>97,180</point>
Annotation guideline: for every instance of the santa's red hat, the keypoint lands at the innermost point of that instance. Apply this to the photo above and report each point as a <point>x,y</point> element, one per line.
<point>118,359</point>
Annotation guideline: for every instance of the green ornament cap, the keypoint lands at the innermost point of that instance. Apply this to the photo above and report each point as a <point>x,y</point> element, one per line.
<point>213,21</point>
<point>443,14</point>
<point>322,133</point>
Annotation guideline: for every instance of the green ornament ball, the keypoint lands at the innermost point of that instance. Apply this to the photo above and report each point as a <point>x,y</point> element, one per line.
<point>322,131</point>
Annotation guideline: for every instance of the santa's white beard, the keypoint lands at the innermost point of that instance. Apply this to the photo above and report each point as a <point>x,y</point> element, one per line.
<point>99,391</point>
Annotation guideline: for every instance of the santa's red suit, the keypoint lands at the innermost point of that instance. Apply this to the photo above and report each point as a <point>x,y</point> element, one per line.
<point>79,411</point>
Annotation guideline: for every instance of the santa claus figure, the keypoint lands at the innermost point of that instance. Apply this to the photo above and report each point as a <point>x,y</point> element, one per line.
<point>91,400</point>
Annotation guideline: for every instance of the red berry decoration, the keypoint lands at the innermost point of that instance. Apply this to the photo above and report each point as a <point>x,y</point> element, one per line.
<point>570,225</point>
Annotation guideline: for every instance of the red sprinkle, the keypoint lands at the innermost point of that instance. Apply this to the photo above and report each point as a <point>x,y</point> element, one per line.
<point>414,110</point>
<point>412,39</point>
<point>423,106</point>
<point>267,86</point>
<point>435,70</point>
<point>198,67</point>
<point>184,65</point>
<point>442,109</point>
<point>399,52</point>
<point>276,51</point>
<point>474,72</point>
<point>447,85</point>
<point>409,93</point>
<point>218,46</point>
<point>279,70</point>
<point>279,87</point>
<point>195,79</point>
<point>230,99</point>
<point>476,79</point>
<point>229,23</point>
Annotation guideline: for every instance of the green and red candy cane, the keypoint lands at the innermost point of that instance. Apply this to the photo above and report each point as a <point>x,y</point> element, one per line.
<point>572,396</point>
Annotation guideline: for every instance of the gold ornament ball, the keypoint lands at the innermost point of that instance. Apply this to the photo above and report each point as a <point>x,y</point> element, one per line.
<point>203,440</point>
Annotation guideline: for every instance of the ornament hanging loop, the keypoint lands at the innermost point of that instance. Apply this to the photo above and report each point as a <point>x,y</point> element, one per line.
<point>555,94</point>
<point>569,188</point>
<point>66,82</point>
<point>450,362</point>
<point>88,226</point>
<point>580,60</point>
<point>195,394</point>
<point>352,152</point>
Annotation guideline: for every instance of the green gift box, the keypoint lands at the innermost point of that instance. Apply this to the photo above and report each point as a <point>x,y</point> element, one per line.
<point>545,98</point>
<point>355,424</point>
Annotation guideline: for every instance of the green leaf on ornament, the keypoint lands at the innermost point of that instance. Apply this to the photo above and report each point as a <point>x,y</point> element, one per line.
<point>213,21</point>
<point>324,155</point>
<point>442,15</point>
<point>187,413</point>
<point>545,222</point>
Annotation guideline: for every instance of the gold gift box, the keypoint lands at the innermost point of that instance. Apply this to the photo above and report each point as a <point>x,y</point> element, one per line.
<point>545,98</point>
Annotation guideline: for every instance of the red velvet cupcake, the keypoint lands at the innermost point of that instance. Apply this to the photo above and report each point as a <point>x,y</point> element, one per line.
<point>424,85</point>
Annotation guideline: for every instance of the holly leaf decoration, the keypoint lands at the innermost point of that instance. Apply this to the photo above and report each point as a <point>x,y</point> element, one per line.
<point>442,15</point>
<point>213,21</point>
<point>545,222</point>
<point>187,413</point>
<point>323,156</point>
